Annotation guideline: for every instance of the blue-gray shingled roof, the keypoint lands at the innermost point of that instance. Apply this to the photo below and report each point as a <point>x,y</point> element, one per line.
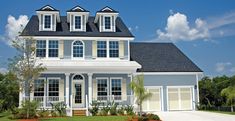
<point>62,29</point>
<point>161,57</point>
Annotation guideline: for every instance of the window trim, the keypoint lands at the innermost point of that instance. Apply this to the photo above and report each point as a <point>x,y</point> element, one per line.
<point>48,86</point>
<point>107,53</point>
<point>111,26</point>
<point>53,48</point>
<point>40,48</point>
<point>43,23</point>
<point>111,91</point>
<point>107,49</point>
<point>110,49</point>
<point>74,28</point>
<point>78,58</point>
<point>107,80</point>
<point>45,84</point>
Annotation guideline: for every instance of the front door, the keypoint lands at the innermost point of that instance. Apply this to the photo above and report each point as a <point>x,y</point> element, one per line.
<point>78,94</point>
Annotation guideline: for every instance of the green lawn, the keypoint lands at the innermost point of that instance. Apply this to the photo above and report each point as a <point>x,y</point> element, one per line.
<point>89,118</point>
<point>223,112</point>
<point>4,116</point>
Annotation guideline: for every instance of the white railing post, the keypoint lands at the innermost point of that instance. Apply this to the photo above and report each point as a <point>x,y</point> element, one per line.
<point>67,88</point>
<point>71,105</point>
<point>89,88</point>
<point>87,113</point>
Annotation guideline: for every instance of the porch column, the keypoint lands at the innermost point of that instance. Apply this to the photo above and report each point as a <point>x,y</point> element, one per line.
<point>67,88</point>
<point>90,88</point>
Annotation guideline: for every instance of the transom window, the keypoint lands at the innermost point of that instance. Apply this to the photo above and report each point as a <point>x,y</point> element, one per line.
<point>53,87</point>
<point>77,22</point>
<point>116,88</point>
<point>102,89</point>
<point>113,49</point>
<point>77,49</point>
<point>39,87</point>
<point>53,48</point>
<point>78,77</point>
<point>47,21</point>
<point>107,22</point>
<point>101,49</point>
<point>41,48</point>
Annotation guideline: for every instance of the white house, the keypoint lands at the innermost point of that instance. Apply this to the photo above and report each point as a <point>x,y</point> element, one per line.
<point>95,58</point>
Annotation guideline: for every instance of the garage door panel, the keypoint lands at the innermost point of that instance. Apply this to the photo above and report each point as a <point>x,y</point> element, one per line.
<point>186,101</point>
<point>153,103</point>
<point>173,101</point>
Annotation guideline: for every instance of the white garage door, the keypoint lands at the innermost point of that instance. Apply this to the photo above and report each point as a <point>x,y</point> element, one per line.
<point>153,103</point>
<point>179,98</point>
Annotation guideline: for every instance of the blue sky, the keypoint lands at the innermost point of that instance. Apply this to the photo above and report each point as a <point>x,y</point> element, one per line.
<point>203,29</point>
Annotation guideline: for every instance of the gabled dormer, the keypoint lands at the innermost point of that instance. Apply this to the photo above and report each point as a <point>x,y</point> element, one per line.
<point>48,18</point>
<point>106,19</point>
<point>77,18</point>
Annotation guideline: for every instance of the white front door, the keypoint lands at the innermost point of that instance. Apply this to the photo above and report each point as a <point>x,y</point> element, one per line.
<point>78,94</point>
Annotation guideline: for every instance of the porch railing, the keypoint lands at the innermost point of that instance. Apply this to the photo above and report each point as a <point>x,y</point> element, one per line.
<point>120,100</point>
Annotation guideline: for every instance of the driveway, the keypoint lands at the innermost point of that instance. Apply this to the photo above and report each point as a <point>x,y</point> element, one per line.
<point>194,116</point>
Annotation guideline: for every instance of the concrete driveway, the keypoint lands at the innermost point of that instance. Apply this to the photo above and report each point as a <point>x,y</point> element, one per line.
<point>194,116</point>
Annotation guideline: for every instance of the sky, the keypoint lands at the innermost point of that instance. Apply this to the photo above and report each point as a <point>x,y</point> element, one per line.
<point>203,29</point>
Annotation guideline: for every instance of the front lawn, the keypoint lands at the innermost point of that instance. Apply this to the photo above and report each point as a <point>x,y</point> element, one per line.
<point>89,118</point>
<point>5,116</point>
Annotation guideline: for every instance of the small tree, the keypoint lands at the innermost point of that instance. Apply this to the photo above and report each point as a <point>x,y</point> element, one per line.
<point>141,94</point>
<point>229,93</point>
<point>25,65</point>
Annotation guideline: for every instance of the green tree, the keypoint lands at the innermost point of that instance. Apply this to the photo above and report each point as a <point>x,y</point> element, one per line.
<point>25,66</point>
<point>229,93</point>
<point>141,94</point>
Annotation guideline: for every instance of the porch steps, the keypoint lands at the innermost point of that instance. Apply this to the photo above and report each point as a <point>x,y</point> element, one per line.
<point>79,112</point>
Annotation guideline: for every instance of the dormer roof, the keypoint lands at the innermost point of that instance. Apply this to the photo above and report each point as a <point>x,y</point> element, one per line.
<point>77,9</point>
<point>107,9</point>
<point>47,8</point>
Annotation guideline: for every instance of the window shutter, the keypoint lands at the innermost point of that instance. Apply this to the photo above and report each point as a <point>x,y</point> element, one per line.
<point>41,22</point>
<point>61,90</point>
<point>71,23</point>
<point>53,22</point>
<point>112,24</point>
<point>94,49</point>
<point>94,89</point>
<point>61,49</point>
<point>121,49</point>
<point>83,23</point>
<point>124,96</point>
<point>101,23</point>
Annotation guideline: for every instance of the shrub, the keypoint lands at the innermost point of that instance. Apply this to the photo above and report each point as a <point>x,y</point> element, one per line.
<point>43,113</point>
<point>153,117</point>
<point>94,108</point>
<point>129,110</point>
<point>113,108</point>
<point>59,108</point>
<point>121,110</point>
<point>104,111</point>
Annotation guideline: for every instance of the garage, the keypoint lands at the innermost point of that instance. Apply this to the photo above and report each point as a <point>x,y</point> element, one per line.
<point>179,98</point>
<point>153,103</point>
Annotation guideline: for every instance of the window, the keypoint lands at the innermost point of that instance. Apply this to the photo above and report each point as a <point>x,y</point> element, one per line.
<point>77,22</point>
<point>102,89</point>
<point>78,93</point>
<point>39,87</point>
<point>107,22</point>
<point>77,49</point>
<point>53,48</point>
<point>113,49</point>
<point>47,21</point>
<point>41,48</point>
<point>116,88</point>
<point>53,88</point>
<point>101,48</point>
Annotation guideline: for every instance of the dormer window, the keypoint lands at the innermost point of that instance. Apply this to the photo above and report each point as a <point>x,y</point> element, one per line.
<point>47,22</point>
<point>77,22</point>
<point>107,22</point>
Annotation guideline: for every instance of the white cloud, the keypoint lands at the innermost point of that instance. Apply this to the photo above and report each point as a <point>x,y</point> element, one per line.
<point>178,29</point>
<point>13,27</point>
<point>222,66</point>
<point>232,70</point>
<point>136,28</point>
<point>3,70</point>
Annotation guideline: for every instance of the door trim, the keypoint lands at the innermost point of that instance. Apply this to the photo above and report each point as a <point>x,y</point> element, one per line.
<point>82,82</point>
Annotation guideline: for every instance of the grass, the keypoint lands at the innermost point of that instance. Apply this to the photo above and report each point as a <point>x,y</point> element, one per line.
<point>223,112</point>
<point>89,118</point>
<point>5,116</point>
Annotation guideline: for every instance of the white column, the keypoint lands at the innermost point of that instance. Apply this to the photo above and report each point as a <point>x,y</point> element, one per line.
<point>67,88</point>
<point>90,88</point>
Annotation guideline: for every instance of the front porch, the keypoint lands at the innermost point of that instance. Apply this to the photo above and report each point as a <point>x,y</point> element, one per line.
<point>77,91</point>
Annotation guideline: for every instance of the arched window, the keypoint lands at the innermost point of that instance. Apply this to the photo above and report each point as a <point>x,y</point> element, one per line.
<point>77,77</point>
<point>78,49</point>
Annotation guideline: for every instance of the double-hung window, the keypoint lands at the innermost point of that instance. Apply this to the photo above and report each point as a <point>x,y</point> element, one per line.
<point>102,89</point>
<point>116,88</point>
<point>53,89</point>
<point>107,22</point>
<point>47,21</point>
<point>39,88</point>
<point>101,49</point>
<point>41,48</point>
<point>78,49</point>
<point>53,48</point>
<point>113,49</point>
<point>77,22</point>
